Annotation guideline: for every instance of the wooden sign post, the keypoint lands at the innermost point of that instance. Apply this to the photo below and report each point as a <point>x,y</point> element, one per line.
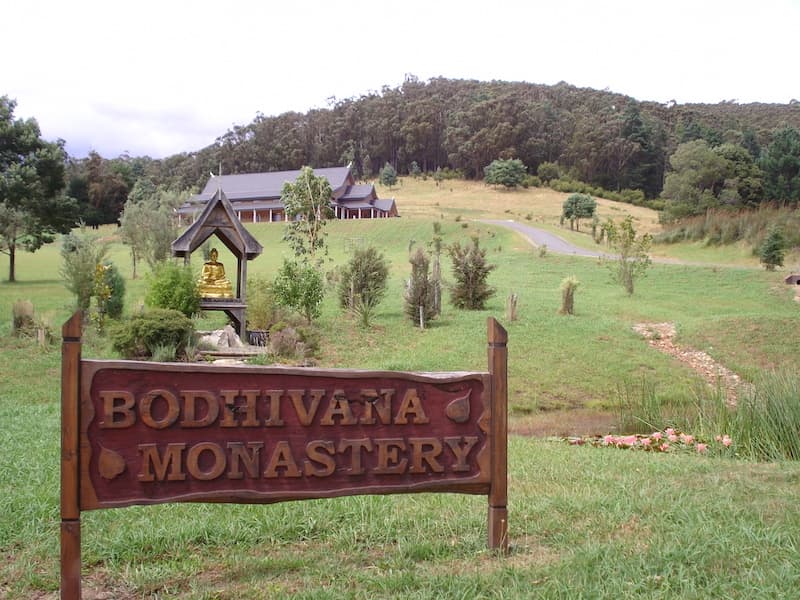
<point>146,433</point>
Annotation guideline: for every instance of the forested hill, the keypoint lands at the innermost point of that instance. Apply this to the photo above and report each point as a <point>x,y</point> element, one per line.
<point>604,138</point>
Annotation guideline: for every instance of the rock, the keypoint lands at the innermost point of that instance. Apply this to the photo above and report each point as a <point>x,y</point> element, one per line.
<point>233,340</point>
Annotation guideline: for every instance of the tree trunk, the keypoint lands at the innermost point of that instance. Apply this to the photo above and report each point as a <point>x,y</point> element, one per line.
<point>12,260</point>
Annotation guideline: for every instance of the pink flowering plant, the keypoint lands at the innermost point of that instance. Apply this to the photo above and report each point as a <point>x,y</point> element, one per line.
<point>669,440</point>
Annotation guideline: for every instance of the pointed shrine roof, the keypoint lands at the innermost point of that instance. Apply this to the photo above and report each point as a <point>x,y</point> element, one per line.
<point>218,217</point>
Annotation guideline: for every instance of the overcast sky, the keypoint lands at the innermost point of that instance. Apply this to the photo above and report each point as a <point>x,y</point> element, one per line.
<point>163,77</point>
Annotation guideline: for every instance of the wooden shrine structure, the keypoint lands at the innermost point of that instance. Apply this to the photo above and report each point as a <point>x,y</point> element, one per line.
<point>218,218</point>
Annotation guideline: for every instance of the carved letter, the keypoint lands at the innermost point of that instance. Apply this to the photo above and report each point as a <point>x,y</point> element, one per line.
<point>193,461</point>
<point>190,398</point>
<point>282,457</point>
<point>240,456</point>
<point>274,418</point>
<point>305,417</point>
<point>230,410</point>
<point>419,454</point>
<point>111,409</point>
<point>315,455</point>
<point>389,462</point>
<point>146,408</point>
<point>338,405</point>
<point>461,452</point>
<point>411,404</point>
<point>380,403</point>
<point>355,447</point>
<point>152,458</point>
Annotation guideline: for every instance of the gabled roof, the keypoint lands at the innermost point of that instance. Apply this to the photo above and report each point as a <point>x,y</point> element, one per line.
<point>218,217</point>
<point>362,191</point>
<point>266,185</point>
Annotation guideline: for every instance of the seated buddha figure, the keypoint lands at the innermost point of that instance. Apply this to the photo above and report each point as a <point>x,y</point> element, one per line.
<point>212,282</point>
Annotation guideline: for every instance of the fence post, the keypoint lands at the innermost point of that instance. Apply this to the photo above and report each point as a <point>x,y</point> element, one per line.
<point>70,459</point>
<point>498,491</point>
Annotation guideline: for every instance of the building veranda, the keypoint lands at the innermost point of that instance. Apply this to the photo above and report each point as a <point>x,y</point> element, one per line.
<point>256,197</point>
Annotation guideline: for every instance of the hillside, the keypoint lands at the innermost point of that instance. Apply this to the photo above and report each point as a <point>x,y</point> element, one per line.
<point>604,138</point>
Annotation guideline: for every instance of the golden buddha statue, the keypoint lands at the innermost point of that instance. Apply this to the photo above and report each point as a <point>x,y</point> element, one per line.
<point>212,282</point>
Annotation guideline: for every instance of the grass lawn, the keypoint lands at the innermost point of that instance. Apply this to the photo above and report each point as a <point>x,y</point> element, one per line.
<point>584,522</point>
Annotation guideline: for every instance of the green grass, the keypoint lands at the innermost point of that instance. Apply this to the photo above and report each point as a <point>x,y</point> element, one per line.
<point>584,522</point>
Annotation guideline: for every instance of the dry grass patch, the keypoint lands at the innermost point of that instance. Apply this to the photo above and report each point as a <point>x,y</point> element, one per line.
<point>476,200</point>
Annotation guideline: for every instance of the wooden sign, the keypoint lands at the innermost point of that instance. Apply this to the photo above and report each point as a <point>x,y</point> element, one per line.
<point>146,433</point>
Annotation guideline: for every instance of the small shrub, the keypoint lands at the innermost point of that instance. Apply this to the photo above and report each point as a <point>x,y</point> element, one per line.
<point>363,283</point>
<point>420,293</point>
<point>116,298</point>
<point>531,181</point>
<point>568,287</point>
<point>80,256</point>
<point>547,171</point>
<point>511,307</point>
<point>294,341</point>
<point>771,251</point>
<point>22,322</point>
<point>470,271</point>
<point>173,286</point>
<point>299,288</point>
<point>262,310</point>
<point>139,335</point>
<point>543,251</point>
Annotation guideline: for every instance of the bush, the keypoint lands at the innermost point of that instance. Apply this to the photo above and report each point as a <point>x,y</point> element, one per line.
<point>294,341</point>
<point>299,288</point>
<point>116,285</point>
<point>531,181</point>
<point>22,322</point>
<point>509,172</point>
<point>173,286</point>
<point>140,335</point>
<point>262,310</point>
<point>548,171</point>
<point>80,255</point>
<point>470,271</point>
<point>363,283</point>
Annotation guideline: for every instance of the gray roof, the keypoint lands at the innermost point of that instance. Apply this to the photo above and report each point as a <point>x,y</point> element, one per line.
<point>358,192</point>
<point>265,185</point>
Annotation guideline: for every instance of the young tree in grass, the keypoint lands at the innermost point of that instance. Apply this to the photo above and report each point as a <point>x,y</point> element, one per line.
<point>307,201</point>
<point>420,292</point>
<point>470,271</point>
<point>568,287</point>
<point>299,287</point>
<point>363,283</point>
<point>388,176</point>
<point>772,249</point>
<point>577,207</point>
<point>148,223</point>
<point>632,251</point>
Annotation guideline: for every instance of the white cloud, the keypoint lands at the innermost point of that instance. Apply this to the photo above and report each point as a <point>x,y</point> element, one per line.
<point>163,77</point>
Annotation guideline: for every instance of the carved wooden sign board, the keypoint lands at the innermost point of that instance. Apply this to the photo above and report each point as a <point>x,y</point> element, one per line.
<point>147,433</point>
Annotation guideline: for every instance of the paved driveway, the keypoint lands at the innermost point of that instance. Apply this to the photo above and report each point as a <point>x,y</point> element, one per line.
<point>539,237</point>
